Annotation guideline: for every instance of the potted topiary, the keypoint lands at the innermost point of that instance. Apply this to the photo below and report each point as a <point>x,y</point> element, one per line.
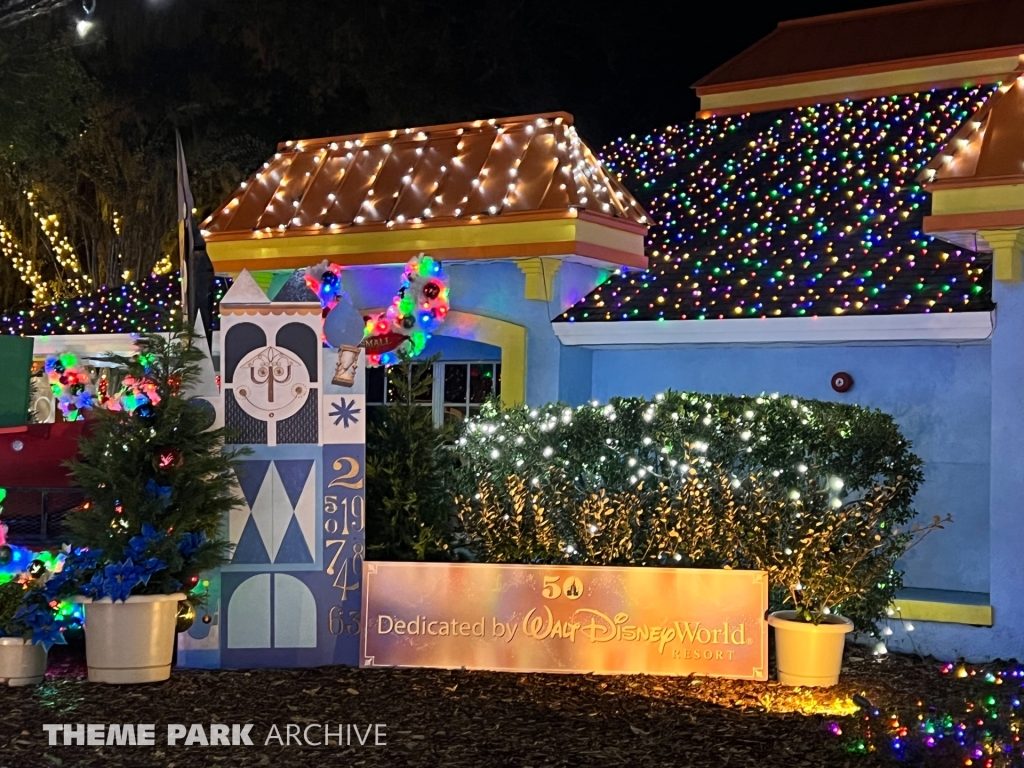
<point>158,484</point>
<point>832,550</point>
<point>29,625</point>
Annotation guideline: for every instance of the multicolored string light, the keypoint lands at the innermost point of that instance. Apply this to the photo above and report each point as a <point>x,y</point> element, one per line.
<point>418,308</point>
<point>801,212</point>
<point>984,731</point>
<point>69,384</point>
<point>144,307</point>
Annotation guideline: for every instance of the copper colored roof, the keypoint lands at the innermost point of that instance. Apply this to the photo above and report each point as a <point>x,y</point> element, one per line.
<point>534,166</point>
<point>893,37</point>
<point>988,148</point>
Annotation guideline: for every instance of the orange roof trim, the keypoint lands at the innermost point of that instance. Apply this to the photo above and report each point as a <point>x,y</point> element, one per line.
<point>887,38</point>
<point>534,166</point>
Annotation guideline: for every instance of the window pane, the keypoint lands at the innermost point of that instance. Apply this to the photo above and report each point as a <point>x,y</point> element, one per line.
<point>497,380</point>
<point>481,381</point>
<point>455,382</point>
<point>375,385</point>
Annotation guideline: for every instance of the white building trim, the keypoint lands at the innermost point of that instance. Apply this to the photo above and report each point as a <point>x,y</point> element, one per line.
<point>938,327</point>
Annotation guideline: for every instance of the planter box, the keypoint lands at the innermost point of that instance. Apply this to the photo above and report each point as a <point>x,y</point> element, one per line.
<point>809,654</point>
<point>130,642</point>
<point>21,662</point>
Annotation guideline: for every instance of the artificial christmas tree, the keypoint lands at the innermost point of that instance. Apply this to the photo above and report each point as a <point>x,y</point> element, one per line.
<point>158,483</point>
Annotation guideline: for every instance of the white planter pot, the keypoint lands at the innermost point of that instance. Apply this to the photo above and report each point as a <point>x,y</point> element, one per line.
<point>130,642</point>
<point>809,654</point>
<point>21,662</point>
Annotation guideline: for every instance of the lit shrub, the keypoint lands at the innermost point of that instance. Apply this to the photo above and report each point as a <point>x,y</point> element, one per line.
<point>815,493</point>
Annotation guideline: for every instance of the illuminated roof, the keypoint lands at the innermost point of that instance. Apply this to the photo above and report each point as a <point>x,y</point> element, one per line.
<point>517,169</point>
<point>145,307</point>
<point>800,212</point>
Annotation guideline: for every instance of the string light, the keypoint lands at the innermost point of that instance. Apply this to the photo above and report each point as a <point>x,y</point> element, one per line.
<point>801,212</point>
<point>145,307</point>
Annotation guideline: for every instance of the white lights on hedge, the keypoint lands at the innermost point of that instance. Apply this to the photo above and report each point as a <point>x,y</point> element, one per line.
<point>520,440</point>
<point>495,454</point>
<point>519,462</point>
<point>677,556</point>
<point>593,529</point>
<point>631,462</point>
<point>567,415</point>
<point>548,452</point>
<point>749,414</point>
<point>887,631</point>
<point>646,441</point>
<point>801,468</point>
<point>880,649</point>
<point>706,420</point>
<point>836,483</point>
<point>835,503</point>
<point>745,435</point>
<point>794,495</point>
<point>787,551</point>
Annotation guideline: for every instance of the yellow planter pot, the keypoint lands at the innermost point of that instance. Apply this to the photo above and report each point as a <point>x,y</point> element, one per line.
<point>130,642</point>
<point>22,662</point>
<point>809,654</point>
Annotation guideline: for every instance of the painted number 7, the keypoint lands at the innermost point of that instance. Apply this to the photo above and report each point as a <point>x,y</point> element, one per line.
<point>334,560</point>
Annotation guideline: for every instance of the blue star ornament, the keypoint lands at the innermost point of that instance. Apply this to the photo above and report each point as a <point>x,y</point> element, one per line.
<point>344,411</point>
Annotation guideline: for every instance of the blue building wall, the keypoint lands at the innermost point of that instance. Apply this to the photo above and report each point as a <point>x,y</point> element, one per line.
<point>939,394</point>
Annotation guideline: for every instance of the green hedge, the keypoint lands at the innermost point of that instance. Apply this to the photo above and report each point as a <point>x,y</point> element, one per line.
<point>818,494</point>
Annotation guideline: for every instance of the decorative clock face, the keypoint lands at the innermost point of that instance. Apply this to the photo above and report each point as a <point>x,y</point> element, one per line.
<point>271,384</point>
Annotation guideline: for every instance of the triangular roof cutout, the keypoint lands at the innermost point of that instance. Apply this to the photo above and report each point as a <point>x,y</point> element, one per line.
<point>206,384</point>
<point>244,290</point>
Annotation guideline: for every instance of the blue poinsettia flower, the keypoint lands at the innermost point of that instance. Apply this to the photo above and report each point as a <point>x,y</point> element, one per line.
<point>161,492</point>
<point>47,630</point>
<point>115,581</point>
<point>138,545</point>
<point>190,543</point>
<point>149,566</point>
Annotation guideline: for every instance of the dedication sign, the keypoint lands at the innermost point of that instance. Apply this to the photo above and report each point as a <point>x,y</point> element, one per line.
<point>537,618</point>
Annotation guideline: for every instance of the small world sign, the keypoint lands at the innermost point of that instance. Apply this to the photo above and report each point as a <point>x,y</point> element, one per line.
<point>536,618</point>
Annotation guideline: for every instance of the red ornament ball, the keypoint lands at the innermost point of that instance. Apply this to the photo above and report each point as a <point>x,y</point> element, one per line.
<point>167,459</point>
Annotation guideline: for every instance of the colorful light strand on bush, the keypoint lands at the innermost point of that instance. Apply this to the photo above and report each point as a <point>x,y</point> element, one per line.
<point>983,732</point>
<point>418,308</point>
<point>144,307</point>
<point>69,384</point>
<point>325,281</point>
<point>800,212</point>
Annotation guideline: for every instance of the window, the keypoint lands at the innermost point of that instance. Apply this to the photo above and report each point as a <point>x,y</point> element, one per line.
<point>456,392</point>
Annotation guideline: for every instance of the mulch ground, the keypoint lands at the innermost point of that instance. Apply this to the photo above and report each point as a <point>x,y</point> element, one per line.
<point>454,718</point>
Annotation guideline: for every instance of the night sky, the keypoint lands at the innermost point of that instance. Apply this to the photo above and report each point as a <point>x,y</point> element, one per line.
<point>620,69</point>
